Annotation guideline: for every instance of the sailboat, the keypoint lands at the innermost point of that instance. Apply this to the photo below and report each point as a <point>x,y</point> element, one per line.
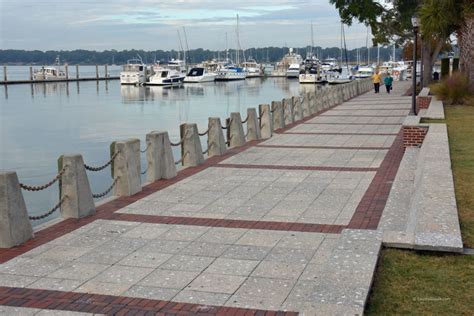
<point>344,75</point>
<point>227,70</point>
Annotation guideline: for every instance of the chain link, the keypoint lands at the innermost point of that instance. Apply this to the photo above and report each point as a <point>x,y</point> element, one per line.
<point>96,196</point>
<point>246,119</point>
<point>178,162</point>
<point>144,171</point>
<point>44,186</point>
<point>205,133</point>
<point>205,152</point>
<point>35,218</point>
<point>146,149</point>
<point>178,143</point>
<point>90,168</point>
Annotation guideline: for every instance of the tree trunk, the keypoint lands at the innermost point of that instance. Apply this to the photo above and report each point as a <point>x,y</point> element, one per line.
<point>427,64</point>
<point>466,47</point>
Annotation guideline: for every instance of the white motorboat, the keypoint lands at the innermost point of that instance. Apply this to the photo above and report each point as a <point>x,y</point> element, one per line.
<point>364,72</point>
<point>330,64</point>
<point>200,74</point>
<point>50,72</point>
<point>135,72</point>
<point>166,77</point>
<point>229,73</point>
<point>293,71</point>
<point>253,69</point>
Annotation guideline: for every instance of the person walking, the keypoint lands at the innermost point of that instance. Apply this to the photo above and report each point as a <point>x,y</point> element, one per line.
<point>388,80</point>
<point>376,79</point>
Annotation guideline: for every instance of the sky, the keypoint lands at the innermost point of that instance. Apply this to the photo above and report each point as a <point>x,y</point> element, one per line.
<point>154,24</point>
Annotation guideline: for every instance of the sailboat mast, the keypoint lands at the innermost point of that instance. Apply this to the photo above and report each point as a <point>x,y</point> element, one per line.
<point>186,42</point>
<point>367,45</point>
<point>378,54</point>
<point>394,58</point>
<point>312,38</point>
<point>342,26</point>
<point>181,45</point>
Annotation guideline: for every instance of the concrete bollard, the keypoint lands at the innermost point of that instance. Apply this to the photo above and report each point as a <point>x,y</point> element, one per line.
<point>318,101</point>
<point>340,96</point>
<point>15,226</point>
<point>266,124</point>
<point>325,99</point>
<point>236,134</point>
<point>126,167</point>
<point>297,108</point>
<point>253,125</point>
<point>278,115</point>
<point>191,149</point>
<point>74,187</point>
<point>332,96</point>
<point>215,139</point>
<point>159,157</point>
<point>288,113</point>
<point>307,105</point>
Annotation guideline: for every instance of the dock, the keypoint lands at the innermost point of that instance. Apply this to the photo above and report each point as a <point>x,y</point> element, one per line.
<point>280,219</point>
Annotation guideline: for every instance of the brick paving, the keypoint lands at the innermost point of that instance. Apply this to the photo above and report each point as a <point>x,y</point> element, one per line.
<point>270,228</point>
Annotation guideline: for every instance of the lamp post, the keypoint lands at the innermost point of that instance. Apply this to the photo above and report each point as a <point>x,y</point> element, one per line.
<point>416,24</point>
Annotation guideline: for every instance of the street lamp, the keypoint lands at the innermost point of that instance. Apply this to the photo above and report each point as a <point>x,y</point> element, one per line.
<point>415,21</point>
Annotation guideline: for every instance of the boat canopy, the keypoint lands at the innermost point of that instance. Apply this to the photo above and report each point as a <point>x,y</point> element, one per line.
<point>196,72</point>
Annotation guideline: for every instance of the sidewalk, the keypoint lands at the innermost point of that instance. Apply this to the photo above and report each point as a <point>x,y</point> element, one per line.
<point>286,224</point>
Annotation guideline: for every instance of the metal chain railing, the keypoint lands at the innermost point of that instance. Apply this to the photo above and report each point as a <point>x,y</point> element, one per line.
<point>99,195</point>
<point>51,211</point>
<point>204,133</point>
<point>90,168</point>
<point>226,126</point>
<point>246,119</point>
<point>178,162</point>
<point>44,186</point>
<point>146,149</point>
<point>144,171</point>
<point>205,151</point>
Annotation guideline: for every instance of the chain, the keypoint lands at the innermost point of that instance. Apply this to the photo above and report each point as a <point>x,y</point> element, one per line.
<point>96,196</point>
<point>42,187</point>
<point>246,119</point>
<point>146,149</point>
<point>205,152</point>
<point>144,171</point>
<point>205,133</point>
<point>35,218</point>
<point>102,167</point>
<point>178,162</point>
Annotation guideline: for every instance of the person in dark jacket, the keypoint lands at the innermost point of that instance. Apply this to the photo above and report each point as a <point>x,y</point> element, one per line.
<point>388,81</point>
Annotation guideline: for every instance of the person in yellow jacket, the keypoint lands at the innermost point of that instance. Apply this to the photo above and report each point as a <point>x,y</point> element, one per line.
<point>376,79</point>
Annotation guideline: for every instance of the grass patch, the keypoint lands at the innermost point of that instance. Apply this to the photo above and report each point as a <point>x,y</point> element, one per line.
<point>422,283</point>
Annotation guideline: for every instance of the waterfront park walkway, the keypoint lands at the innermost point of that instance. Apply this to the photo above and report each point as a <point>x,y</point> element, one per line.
<point>287,224</point>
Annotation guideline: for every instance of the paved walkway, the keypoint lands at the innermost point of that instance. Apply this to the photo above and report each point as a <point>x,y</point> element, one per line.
<point>286,224</point>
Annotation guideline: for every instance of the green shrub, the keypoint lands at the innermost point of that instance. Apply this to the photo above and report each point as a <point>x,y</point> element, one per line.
<point>453,89</point>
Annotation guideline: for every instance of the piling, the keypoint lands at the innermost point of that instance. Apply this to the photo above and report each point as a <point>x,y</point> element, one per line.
<point>266,123</point>
<point>278,115</point>
<point>97,72</point>
<point>126,167</point>
<point>159,156</point>
<point>288,111</point>
<point>253,126</point>
<point>77,71</point>
<point>74,187</point>
<point>66,70</point>
<point>106,75</point>
<point>297,108</point>
<point>5,77</point>
<point>15,226</point>
<point>191,149</point>
<point>215,139</point>
<point>236,134</point>
<point>31,73</point>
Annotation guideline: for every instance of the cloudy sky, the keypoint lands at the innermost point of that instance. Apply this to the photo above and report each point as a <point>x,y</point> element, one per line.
<point>153,24</point>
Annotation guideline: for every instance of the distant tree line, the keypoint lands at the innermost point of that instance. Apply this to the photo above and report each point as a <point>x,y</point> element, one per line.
<point>88,57</point>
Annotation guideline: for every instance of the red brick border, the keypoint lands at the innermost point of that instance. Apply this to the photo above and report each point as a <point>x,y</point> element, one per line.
<point>116,305</point>
<point>369,211</point>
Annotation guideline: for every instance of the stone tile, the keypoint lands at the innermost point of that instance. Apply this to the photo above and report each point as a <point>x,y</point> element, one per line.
<point>16,280</point>
<point>30,267</point>
<point>123,274</point>
<point>260,238</point>
<point>232,266</point>
<point>48,312</point>
<point>151,292</point>
<point>276,269</point>
<point>187,263</point>
<point>183,233</point>
<point>56,284</point>
<point>202,298</point>
<point>218,283</point>
<point>147,231</point>
<point>169,278</point>
<point>265,287</point>
<point>145,259</point>
<point>204,249</point>
<point>165,246</point>
<point>96,287</point>
<point>63,253</point>
<point>246,252</point>
<point>301,240</point>
<point>290,255</point>
<point>122,244</point>
<point>18,311</point>
<point>255,302</point>
<point>79,271</point>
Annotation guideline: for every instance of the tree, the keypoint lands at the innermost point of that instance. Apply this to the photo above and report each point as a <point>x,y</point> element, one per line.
<point>439,19</point>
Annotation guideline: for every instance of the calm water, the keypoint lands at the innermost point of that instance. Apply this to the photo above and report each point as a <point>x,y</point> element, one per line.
<point>40,122</point>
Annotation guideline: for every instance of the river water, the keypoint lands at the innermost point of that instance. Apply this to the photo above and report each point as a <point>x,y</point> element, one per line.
<point>40,122</point>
